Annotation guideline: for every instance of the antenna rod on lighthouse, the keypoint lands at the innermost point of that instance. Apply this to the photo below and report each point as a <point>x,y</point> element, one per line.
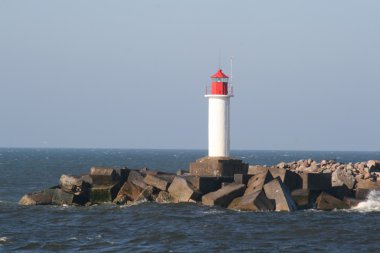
<point>231,61</point>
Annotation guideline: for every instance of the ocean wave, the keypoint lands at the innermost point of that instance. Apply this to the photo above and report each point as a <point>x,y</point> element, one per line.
<point>4,239</point>
<point>371,204</point>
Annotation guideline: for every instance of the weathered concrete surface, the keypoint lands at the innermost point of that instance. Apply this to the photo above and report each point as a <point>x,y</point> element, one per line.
<point>256,201</point>
<point>136,178</point>
<point>234,203</point>
<point>38,198</point>
<point>103,175</point>
<point>164,197</point>
<point>128,192</point>
<point>72,184</point>
<point>104,193</point>
<point>373,166</point>
<point>204,184</point>
<point>316,181</point>
<point>363,188</point>
<point>146,194</point>
<point>301,197</point>
<point>218,167</point>
<point>256,169</point>
<point>182,191</point>
<point>291,179</point>
<point>327,202</point>
<point>62,198</point>
<point>241,178</point>
<point>276,190</point>
<point>351,202</point>
<point>224,196</point>
<point>258,181</point>
<point>157,182</point>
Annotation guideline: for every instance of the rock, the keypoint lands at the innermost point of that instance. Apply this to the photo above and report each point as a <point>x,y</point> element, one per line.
<point>258,181</point>
<point>224,196</point>
<point>373,166</point>
<point>282,165</point>
<point>256,201</point>
<point>156,181</point>
<point>182,191</point>
<point>342,177</point>
<point>323,163</point>
<point>291,179</point>
<point>164,197</point>
<point>256,169</point>
<point>104,193</point>
<point>38,198</point>
<point>128,192</point>
<point>241,178</point>
<point>276,190</point>
<point>316,181</point>
<point>136,178</point>
<point>103,175</point>
<point>301,197</point>
<point>205,184</point>
<point>327,202</point>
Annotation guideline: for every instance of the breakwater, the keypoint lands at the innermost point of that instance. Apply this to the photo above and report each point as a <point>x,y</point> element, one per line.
<point>303,184</point>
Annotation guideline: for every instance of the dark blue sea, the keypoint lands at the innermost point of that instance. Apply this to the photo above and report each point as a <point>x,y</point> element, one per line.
<point>150,227</point>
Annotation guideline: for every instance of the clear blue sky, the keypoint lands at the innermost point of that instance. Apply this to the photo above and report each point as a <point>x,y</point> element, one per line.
<point>131,74</point>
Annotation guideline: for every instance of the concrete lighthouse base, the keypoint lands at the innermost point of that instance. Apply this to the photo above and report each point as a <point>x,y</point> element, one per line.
<point>218,167</point>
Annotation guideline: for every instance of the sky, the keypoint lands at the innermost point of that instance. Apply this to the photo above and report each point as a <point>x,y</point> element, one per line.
<point>132,74</point>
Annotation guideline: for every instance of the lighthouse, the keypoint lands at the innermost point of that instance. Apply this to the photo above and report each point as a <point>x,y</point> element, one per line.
<point>219,115</point>
<point>218,163</point>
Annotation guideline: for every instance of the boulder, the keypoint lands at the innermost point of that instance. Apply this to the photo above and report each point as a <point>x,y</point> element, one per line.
<point>224,196</point>
<point>182,191</point>
<point>291,179</point>
<point>373,166</point>
<point>256,201</point>
<point>258,181</point>
<point>342,177</point>
<point>316,181</point>
<point>104,193</point>
<point>277,190</point>
<point>37,198</point>
<point>164,197</point>
<point>327,202</point>
<point>156,181</point>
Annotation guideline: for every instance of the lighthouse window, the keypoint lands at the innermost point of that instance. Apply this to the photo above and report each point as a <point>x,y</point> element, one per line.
<point>220,80</point>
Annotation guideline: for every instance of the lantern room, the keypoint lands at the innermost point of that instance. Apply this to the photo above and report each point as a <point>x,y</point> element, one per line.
<point>219,83</point>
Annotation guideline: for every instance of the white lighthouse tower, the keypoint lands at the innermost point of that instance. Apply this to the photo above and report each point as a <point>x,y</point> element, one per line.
<point>219,116</point>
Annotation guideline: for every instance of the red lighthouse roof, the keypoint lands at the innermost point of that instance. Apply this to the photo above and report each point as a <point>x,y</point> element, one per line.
<point>219,74</point>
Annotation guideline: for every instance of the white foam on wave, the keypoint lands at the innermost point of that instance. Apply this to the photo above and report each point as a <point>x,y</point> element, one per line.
<point>3,239</point>
<point>371,204</point>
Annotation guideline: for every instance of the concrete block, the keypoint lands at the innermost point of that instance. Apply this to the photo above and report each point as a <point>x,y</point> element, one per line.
<point>62,198</point>
<point>182,191</point>
<point>72,184</point>
<point>258,181</point>
<point>103,175</point>
<point>276,190</point>
<point>37,198</point>
<point>363,187</point>
<point>316,181</point>
<point>241,178</point>
<point>291,179</point>
<point>165,197</point>
<point>234,203</point>
<point>257,169</point>
<point>218,167</point>
<point>128,192</point>
<point>224,196</point>
<point>204,184</point>
<point>351,202</point>
<point>327,202</point>
<point>104,193</point>
<point>157,182</point>
<point>301,197</point>
<point>136,178</point>
<point>256,201</point>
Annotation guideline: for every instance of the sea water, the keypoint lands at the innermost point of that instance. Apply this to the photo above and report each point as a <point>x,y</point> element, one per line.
<point>151,227</point>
